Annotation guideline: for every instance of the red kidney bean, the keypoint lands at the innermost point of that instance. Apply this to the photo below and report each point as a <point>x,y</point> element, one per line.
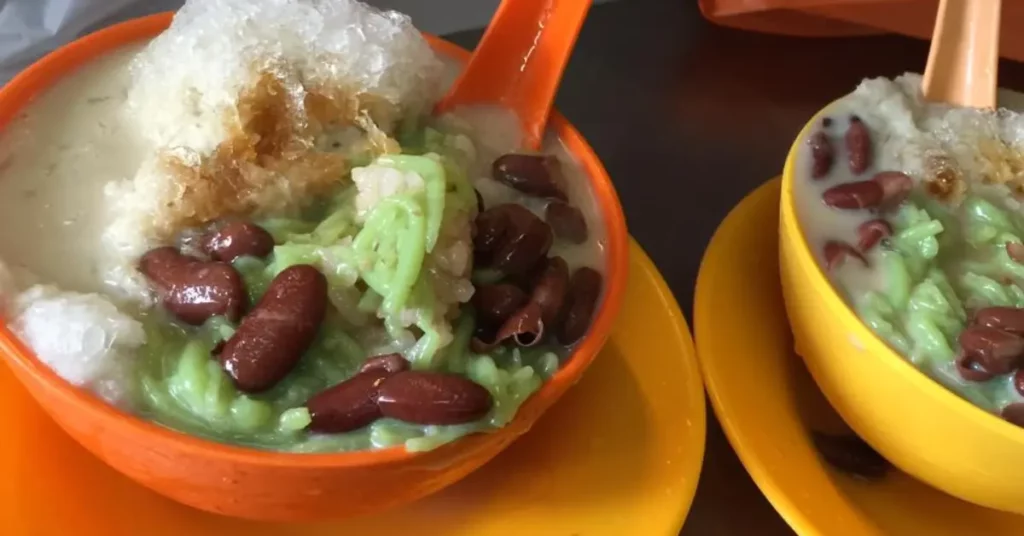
<point>484,340</point>
<point>837,252</point>
<point>566,221</point>
<point>388,362</point>
<point>995,351</point>
<point>1018,381</point>
<point>1015,250</point>
<point>550,288</point>
<point>895,185</point>
<point>236,239</point>
<point>1014,413</point>
<point>580,302</point>
<point>273,336</point>
<point>479,201</point>
<point>871,232</point>
<point>854,195</point>
<point>349,405</point>
<point>526,280</point>
<point>496,303</point>
<point>822,155</point>
<point>194,290</point>
<point>490,228</point>
<point>525,326</point>
<point>433,398</point>
<point>850,454</point>
<point>525,242</point>
<point>858,144</point>
<point>971,370</point>
<point>536,175</point>
<point>1009,319</point>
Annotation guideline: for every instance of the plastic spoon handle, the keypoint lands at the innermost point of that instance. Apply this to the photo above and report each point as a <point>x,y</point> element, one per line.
<point>519,61</point>
<point>964,55</point>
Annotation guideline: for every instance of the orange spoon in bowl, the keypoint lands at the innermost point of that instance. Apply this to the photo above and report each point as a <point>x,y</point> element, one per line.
<point>519,62</point>
<point>964,56</point>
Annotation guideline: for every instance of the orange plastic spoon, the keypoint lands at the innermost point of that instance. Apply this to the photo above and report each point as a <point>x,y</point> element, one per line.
<point>964,55</point>
<point>519,61</point>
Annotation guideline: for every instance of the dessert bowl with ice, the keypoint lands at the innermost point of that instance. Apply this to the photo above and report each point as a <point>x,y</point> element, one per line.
<point>252,230</point>
<point>914,210</point>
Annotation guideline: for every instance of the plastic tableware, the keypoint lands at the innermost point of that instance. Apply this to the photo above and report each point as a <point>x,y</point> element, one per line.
<point>768,404</point>
<point>619,454</point>
<point>519,61</point>
<point>964,54</point>
<point>267,485</point>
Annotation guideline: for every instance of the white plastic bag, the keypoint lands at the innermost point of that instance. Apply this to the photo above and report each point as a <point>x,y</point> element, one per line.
<point>31,28</point>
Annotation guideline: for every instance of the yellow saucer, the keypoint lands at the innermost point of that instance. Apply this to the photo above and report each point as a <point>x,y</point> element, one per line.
<point>767,402</point>
<point>619,454</point>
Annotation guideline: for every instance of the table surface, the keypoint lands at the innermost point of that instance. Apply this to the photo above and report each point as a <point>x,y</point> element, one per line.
<point>688,115</point>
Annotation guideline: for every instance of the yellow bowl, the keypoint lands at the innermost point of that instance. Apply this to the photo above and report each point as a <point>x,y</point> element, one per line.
<point>916,423</point>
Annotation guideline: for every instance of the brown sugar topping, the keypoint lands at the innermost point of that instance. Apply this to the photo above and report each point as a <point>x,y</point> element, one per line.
<point>269,163</point>
<point>945,182</point>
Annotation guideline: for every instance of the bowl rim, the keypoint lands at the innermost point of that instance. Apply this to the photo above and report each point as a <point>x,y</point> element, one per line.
<point>48,70</point>
<point>885,355</point>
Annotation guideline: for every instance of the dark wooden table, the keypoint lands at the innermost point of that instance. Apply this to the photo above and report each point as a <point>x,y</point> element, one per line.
<point>688,118</point>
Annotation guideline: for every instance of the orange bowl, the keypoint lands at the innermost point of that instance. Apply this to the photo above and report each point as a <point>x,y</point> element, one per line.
<point>278,486</point>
